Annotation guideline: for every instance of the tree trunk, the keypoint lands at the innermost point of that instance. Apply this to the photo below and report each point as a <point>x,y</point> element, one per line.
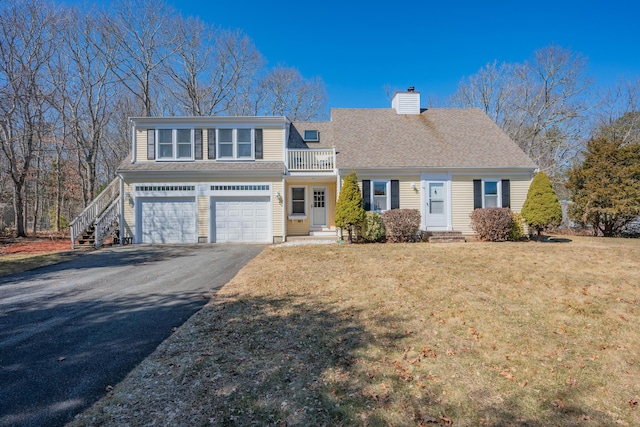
<point>18,208</point>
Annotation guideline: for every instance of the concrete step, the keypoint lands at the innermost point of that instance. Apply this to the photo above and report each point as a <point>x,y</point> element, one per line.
<point>445,236</point>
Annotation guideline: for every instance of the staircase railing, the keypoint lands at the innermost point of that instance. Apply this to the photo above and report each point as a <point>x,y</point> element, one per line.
<point>107,222</point>
<point>95,208</point>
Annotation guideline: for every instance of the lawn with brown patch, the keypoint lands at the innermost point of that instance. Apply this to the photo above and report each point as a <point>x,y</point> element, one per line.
<point>523,334</point>
<point>25,253</point>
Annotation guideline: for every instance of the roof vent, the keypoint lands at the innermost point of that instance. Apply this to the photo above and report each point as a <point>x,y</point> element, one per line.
<point>406,102</point>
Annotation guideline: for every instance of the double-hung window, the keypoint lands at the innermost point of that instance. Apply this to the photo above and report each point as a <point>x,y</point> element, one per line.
<point>298,202</point>
<point>235,143</point>
<point>380,195</point>
<point>491,194</point>
<point>175,144</point>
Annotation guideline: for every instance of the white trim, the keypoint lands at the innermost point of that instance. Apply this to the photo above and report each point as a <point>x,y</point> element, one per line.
<point>174,144</point>
<point>387,183</point>
<point>498,182</point>
<point>234,143</point>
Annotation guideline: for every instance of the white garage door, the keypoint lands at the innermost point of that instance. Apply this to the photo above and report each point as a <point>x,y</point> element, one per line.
<point>240,219</point>
<point>168,220</point>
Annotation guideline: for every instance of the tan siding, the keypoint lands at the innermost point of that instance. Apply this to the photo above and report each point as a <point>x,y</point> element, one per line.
<point>519,190</point>
<point>128,226</point>
<point>461,203</point>
<point>462,197</point>
<point>203,218</point>
<point>278,231</point>
<point>205,144</point>
<point>272,140</point>
<point>409,198</point>
<point>141,145</point>
<point>298,227</point>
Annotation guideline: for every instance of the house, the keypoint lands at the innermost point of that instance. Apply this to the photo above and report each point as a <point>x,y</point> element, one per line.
<point>263,179</point>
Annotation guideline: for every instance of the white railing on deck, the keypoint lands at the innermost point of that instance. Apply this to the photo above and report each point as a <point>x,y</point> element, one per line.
<point>95,208</point>
<point>107,222</point>
<point>312,160</point>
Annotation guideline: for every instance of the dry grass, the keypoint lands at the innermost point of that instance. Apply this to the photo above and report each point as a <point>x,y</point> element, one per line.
<point>522,334</point>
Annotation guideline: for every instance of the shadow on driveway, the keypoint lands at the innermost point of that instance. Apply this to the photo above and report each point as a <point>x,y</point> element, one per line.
<point>71,330</point>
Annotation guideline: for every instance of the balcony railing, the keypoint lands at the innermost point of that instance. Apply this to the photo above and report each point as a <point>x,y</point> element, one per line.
<point>312,160</point>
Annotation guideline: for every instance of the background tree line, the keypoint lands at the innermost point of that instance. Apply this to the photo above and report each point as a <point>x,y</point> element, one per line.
<point>586,139</point>
<point>70,77</point>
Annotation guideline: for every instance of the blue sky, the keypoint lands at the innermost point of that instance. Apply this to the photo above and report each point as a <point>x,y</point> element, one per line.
<point>358,47</point>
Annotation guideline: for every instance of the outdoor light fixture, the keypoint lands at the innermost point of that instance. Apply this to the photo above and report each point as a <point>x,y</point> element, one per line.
<point>413,186</point>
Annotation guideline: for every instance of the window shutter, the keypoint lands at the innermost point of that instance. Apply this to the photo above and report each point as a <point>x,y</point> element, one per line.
<point>395,194</point>
<point>211,143</point>
<point>506,193</point>
<point>366,194</point>
<point>477,194</point>
<point>151,144</point>
<point>198,143</point>
<point>259,151</point>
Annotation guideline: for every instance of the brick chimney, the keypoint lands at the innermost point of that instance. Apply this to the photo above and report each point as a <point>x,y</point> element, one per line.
<point>406,102</point>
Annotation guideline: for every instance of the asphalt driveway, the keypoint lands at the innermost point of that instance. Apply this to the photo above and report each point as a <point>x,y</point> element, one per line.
<point>71,330</point>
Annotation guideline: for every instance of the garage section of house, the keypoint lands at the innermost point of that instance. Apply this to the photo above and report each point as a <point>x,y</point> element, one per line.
<point>240,219</point>
<point>168,220</point>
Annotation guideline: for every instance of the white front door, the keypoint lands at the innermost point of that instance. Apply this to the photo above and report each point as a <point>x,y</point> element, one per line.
<point>436,204</point>
<point>319,207</point>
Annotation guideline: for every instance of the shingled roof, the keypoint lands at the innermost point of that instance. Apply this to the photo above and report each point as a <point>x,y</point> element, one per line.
<point>438,137</point>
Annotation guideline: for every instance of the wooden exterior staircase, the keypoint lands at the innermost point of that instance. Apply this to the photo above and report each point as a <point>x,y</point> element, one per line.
<point>99,220</point>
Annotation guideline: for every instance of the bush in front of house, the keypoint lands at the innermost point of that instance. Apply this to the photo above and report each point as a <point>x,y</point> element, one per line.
<point>542,208</point>
<point>517,227</point>
<point>401,225</point>
<point>372,228</point>
<point>349,210</point>
<point>492,224</point>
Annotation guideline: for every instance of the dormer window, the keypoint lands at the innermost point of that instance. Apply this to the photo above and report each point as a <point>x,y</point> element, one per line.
<point>311,136</point>
<point>235,144</point>
<point>175,144</point>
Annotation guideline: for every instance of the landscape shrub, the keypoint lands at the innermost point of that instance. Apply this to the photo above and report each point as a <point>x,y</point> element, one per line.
<point>517,227</point>
<point>401,225</point>
<point>372,227</point>
<point>492,224</point>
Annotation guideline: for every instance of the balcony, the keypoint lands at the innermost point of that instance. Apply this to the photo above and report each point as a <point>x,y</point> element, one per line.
<point>311,160</point>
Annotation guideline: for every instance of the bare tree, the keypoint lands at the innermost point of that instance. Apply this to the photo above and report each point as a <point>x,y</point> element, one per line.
<point>26,46</point>
<point>541,104</point>
<point>618,114</point>
<point>86,86</point>
<point>210,67</point>
<point>145,32</point>
<point>284,92</point>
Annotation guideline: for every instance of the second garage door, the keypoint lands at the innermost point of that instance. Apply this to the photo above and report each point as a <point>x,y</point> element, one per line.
<point>240,219</point>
